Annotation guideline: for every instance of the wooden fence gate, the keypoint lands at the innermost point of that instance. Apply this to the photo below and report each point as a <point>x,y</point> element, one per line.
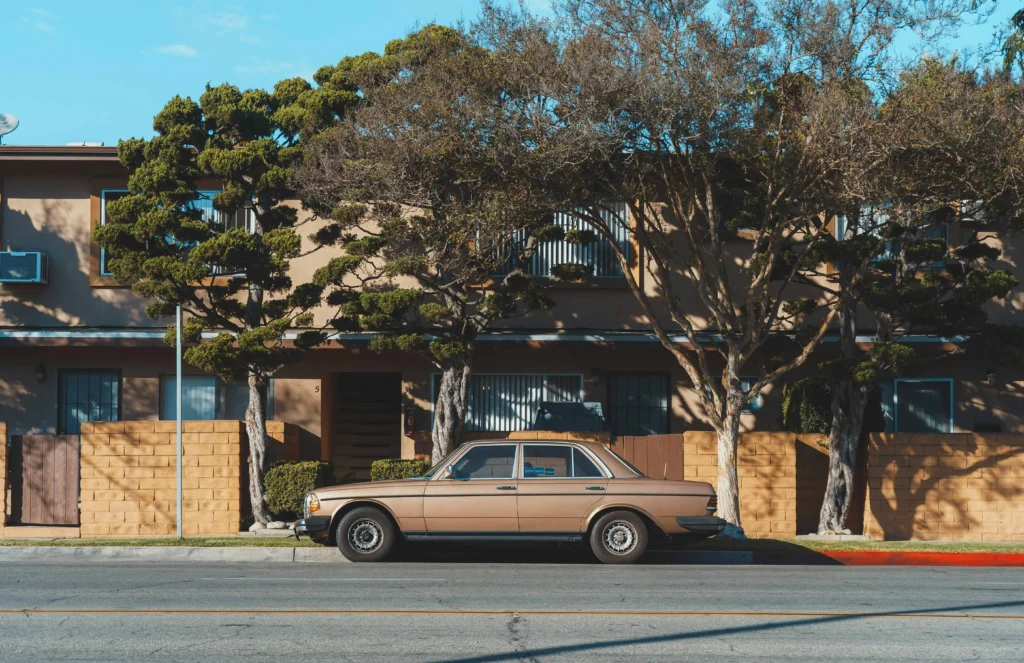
<point>44,479</point>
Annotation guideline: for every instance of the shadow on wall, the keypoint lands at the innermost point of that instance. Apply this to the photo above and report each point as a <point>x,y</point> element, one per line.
<point>68,299</point>
<point>957,486</point>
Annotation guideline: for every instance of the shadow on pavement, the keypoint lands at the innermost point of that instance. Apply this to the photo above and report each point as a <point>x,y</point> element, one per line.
<point>528,654</point>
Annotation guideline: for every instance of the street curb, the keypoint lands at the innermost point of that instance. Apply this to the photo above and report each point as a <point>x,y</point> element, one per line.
<point>884,558</point>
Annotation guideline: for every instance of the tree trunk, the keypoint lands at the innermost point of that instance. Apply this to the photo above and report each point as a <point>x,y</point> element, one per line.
<point>450,408</point>
<point>728,473</point>
<point>256,429</point>
<point>848,403</point>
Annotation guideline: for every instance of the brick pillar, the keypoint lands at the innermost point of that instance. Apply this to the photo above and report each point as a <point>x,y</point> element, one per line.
<point>129,484</point>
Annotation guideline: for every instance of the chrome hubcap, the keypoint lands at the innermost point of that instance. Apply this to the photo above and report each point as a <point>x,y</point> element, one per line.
<point>365,535</point>
<point>619,537</point>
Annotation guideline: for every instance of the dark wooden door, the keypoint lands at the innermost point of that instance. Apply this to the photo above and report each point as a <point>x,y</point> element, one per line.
<point>367,422</point>
<point>44,479</point>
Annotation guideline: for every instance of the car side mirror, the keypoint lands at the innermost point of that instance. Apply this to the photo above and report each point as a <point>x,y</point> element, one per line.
<point>447,473</point>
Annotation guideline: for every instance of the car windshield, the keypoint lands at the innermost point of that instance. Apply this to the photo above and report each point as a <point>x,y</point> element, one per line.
<point>437,466</point>
<point>628,464</point>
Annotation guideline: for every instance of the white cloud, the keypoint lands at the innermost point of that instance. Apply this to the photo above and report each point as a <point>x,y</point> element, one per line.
<point>226,22</point>
<point>39,19</point>
<point>179,50</point>
<point>250,39</point>
<point>266,67</point>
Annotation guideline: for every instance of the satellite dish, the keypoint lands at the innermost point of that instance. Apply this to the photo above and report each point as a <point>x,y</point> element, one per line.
<point>8,123</point>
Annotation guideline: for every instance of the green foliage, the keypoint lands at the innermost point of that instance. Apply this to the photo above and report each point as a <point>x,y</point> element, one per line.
<point>807,406</point>
<point>287,483</point>
<point>572,272</point>
<point>396,468</point>
<point>578,236</point>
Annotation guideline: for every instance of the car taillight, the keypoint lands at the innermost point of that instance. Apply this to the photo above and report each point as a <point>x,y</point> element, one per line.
<point>712,504</point>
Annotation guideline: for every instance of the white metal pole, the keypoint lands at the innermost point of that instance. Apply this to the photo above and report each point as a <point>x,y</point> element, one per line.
<point>177,387</point>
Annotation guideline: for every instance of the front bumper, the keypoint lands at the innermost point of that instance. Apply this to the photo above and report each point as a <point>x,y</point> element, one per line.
<point>708,525</point>
<point>312,526</point>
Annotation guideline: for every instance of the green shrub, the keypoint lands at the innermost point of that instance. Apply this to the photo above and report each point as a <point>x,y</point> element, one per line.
<point>287,483</point>
<point>397,468</point>
<point>807,406</point>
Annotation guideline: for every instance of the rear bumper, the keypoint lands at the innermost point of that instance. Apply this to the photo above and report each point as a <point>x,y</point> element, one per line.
<point>312,526</point>
<point>708,525</point>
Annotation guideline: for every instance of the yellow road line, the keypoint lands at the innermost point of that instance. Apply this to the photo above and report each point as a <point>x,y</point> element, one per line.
<point>586,613</point>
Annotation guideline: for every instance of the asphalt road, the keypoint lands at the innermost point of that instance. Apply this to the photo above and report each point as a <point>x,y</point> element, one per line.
<point>500,611</point>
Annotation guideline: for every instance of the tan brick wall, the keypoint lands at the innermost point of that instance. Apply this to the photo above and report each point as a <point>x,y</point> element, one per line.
<point>945,487</point>
<point>4,482</point>
<point>129,474</point>
<point>767,468</point>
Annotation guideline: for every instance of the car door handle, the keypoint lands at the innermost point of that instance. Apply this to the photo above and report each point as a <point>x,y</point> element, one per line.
<point>506,487</point>
<point>595,487</point>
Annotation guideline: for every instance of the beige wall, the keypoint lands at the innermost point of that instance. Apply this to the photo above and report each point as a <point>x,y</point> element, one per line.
<point>52,215</point>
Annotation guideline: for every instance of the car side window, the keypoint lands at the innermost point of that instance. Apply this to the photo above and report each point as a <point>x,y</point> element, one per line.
<point>489,461</point>
<point>546,461</point>
<point>582,466</point>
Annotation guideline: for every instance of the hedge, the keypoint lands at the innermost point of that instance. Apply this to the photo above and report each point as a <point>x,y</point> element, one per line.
<point>397,468</point>
<point>287,483</point>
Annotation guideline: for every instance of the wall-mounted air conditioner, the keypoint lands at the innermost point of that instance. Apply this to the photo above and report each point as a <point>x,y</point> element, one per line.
<point>24,267</point>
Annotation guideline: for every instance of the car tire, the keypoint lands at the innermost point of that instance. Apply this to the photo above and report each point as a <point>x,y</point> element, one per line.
<point>365,535</point>
<point>619,537</point>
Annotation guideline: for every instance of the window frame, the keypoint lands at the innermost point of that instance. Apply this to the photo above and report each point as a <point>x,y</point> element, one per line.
<point>754,407</point>
<point>469,448</point>
<point>601,467</point>
<point>896,403</point>
<point>61,401</point>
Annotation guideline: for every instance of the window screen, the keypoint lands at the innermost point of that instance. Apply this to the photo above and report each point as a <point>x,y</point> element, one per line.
<point>93,395</point>
<point>638,403</point>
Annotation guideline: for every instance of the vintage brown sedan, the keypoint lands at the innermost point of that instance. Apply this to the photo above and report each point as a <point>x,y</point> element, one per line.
<point>515,490</point>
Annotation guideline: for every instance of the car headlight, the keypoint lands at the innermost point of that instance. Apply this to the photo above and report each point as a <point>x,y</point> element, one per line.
<point>311,505</point>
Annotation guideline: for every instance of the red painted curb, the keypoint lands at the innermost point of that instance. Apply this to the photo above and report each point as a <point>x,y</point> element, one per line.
<point>891,558</point>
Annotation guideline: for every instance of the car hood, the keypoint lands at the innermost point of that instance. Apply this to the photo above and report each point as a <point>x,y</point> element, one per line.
<point>372,488</point>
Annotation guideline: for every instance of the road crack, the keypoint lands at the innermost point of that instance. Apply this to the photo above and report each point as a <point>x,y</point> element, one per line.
<point>515,639</point>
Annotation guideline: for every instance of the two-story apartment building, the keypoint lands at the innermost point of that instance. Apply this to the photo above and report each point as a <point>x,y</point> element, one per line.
<point>76,346</point>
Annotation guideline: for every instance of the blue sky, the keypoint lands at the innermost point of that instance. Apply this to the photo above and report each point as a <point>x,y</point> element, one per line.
<point>99,70</point>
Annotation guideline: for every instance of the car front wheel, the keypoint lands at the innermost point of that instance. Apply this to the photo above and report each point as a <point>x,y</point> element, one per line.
<point>365,535</point>
<point>619,537</point>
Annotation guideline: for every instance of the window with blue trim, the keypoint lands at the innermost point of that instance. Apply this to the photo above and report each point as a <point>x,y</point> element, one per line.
<point>918,405</point>
<point>599,254</point>
<point>638,403</point>
<point>873,221</point>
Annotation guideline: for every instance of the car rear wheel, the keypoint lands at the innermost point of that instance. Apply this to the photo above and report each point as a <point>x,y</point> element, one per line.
<point>365,535</point>
<point>619,537</point>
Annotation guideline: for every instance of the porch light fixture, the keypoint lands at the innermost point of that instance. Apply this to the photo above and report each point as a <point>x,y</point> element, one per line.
<point>595,375</point>
<point>990,378</point>
<point>40,373</point>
